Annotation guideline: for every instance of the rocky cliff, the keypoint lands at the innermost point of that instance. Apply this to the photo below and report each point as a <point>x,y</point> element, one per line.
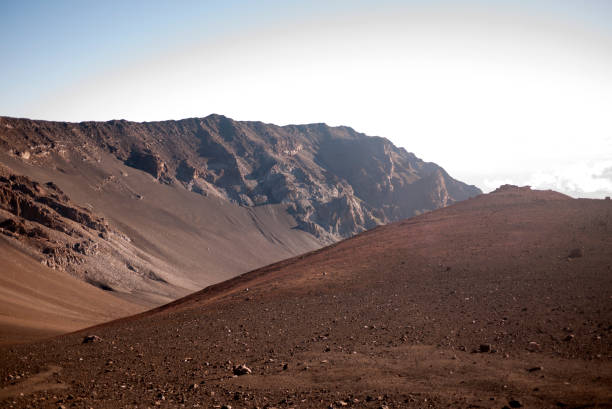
<point>42,220</point>
<point>335,181</point>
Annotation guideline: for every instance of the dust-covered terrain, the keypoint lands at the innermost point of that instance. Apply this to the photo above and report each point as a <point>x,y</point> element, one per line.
<point>500,301</point>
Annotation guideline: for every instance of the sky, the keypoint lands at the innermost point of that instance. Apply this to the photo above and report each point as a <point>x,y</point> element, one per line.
<point>516,91</point>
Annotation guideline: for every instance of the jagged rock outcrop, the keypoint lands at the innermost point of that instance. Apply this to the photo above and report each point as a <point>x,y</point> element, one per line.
<point>335,181</point>
<point>42,220</point>
<point>41,215</point>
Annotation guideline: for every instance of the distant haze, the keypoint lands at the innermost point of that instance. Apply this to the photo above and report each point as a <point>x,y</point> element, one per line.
<point>494,91</point>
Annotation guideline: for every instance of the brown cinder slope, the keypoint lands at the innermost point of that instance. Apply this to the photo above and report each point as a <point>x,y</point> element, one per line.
<point>390,318</point>
<point>194,202</point>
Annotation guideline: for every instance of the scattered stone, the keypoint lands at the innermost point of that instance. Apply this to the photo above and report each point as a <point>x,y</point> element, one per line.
<point>91,338</point>
<point>535,369</point>
<point>575,253</point>
<point>515,403</point>
<point>241,370</point>
<point>483,348</point>
<point>534,346</point>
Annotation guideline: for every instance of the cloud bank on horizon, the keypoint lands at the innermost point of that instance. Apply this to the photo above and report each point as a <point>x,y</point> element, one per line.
<point>496,92</point>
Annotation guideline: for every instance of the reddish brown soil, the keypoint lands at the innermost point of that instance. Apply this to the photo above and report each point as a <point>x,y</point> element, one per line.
<point>388,318</point>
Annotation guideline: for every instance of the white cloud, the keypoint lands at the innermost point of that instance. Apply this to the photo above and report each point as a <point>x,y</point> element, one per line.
<point>578,179</point>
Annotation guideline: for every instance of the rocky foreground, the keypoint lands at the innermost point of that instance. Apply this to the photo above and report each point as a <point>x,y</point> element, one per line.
<point>499,301</point>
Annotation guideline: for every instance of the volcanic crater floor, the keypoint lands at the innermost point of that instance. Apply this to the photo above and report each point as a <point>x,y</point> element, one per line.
<point>504,300</point>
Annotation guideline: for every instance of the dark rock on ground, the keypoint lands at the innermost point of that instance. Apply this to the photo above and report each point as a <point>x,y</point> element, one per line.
<point>515,403</point>
<point>91,338</point>
<point>241,370</point>
<point>575,253</point>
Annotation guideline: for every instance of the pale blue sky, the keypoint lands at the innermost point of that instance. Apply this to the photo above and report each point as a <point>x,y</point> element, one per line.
<point>495,91</point>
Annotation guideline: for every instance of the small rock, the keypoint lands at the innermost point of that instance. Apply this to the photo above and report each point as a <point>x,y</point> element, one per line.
<point>533,346</point>
<point>241,370</point>
<point>91,338</point>
<point>515,403</point>
<point>484,348</point>
<point>569,337</point>
<point>341,403</point>
<point>226,407</point>
<point>575,253</point>
<point>535,368</point>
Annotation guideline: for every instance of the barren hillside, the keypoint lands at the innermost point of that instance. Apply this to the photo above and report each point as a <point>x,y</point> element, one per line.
<point>498,301</point>
<point>150,212</point>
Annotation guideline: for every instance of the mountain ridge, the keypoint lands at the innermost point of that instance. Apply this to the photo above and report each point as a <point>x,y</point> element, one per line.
<point>195,202</point>
<point>336,181</point>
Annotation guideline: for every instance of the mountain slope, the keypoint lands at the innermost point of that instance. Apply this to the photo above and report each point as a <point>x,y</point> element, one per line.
<point>38,302</point>
<point>336,182</point>
<point>157,242</point>
<point>150,212</point>
<point>496,301</point>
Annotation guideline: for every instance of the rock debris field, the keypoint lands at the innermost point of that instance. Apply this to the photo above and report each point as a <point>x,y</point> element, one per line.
<point>502,301</point>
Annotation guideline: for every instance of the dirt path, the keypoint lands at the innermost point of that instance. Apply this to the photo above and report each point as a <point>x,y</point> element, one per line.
<point>39,382</point>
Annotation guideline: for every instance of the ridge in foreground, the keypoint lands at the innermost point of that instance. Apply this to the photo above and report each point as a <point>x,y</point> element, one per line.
<point>480,303</point>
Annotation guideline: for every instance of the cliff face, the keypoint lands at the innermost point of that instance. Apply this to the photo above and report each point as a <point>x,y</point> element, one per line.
<point>335,181</point>
<point>42,219</point>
